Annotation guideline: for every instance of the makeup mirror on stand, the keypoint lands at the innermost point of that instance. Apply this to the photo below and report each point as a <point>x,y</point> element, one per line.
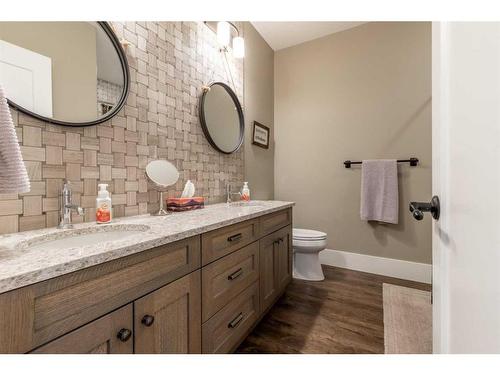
<point>162,174</point>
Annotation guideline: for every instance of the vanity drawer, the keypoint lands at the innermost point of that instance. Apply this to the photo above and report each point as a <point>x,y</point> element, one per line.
<point>223,241</point>
<point>276,220</point>
<point>34,315</point>
<point>225,278</point>
<point>226,329</point>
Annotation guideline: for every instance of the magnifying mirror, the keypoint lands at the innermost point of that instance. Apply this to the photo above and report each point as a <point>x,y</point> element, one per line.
<point>162,174</point>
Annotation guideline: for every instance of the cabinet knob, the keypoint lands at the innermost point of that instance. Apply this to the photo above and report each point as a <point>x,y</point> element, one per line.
<point>148,320</point>
<point>124,334</point>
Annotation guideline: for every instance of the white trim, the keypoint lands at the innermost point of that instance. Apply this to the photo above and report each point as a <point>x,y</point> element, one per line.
<point>401,269</point>
<point>440,182</point>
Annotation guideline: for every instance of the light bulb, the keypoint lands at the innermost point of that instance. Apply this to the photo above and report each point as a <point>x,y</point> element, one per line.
<point>223,33</point>
<point>238,47</point>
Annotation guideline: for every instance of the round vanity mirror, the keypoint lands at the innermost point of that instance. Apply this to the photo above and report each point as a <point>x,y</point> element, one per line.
<point>221,118</point>
<point>162,174</point>
<point>66,73</point>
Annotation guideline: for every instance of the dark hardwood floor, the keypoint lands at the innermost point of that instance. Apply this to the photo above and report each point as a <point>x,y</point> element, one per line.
<point>342,314</point>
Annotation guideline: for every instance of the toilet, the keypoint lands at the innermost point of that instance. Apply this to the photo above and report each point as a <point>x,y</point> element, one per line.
<point>307,244</point>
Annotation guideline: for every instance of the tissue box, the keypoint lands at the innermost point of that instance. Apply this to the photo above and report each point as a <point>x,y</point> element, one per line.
<point>185,204</point>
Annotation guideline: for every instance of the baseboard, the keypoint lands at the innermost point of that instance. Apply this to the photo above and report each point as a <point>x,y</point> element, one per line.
<point>401,269</point>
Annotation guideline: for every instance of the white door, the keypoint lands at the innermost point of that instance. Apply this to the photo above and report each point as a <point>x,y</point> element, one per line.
<point>26,77</point>
<point>466,177</point>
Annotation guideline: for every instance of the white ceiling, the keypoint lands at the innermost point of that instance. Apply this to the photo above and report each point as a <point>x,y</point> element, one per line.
<point>281,35</point>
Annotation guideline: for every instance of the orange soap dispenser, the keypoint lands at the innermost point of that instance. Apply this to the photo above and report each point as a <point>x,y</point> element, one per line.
<point>245,192</point>
<point>103,205</point>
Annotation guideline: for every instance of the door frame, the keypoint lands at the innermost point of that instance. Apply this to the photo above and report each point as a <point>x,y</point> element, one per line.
<point>440,147</point>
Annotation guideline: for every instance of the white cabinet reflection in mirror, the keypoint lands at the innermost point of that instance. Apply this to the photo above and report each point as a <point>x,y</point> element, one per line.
<point>26,76</point>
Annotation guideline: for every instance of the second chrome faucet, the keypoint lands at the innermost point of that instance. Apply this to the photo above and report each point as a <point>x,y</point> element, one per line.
<point>230,193</point>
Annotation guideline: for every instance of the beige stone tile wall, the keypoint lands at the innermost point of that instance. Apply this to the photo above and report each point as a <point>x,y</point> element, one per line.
<point>169,62</point>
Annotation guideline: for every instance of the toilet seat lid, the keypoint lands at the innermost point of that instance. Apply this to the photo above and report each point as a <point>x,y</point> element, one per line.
<point>308,234</point>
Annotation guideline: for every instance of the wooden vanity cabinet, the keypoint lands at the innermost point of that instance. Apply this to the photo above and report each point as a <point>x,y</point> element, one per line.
<point>201,294</point>
<point>37,314</point>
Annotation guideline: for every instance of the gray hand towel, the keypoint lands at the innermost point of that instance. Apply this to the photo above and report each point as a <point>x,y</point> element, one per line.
<point>379,191</point>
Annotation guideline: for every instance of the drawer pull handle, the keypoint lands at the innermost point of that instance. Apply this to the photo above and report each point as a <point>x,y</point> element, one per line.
<point>236,321</point>
<point>234,237</point>
<point>148,320</point>
<point>124,334</point>
<point>235,274</point>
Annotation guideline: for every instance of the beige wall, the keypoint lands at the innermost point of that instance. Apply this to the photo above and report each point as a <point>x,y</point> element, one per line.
<point>72,49</point>
<point>259,106</point>
<point>359,94</point>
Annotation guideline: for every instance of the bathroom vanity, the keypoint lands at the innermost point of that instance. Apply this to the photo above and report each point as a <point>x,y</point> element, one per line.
<point>194,282</point>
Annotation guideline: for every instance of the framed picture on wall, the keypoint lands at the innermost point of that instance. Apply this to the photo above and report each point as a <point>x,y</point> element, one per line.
<point>260,135</point>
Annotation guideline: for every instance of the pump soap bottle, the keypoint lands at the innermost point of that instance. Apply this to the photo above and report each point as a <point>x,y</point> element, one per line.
<point>103,205</point>
<point>245,192</point>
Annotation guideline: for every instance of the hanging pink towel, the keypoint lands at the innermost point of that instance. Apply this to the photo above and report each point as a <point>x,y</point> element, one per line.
<point>13,174</point>
<point>379,191</point>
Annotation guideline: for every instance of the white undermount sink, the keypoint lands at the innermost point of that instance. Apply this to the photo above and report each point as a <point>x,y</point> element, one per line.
<point>83,237</point>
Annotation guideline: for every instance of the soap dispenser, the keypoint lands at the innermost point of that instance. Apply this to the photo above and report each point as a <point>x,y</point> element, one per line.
<point>103,205</point>
<point>245,192</point>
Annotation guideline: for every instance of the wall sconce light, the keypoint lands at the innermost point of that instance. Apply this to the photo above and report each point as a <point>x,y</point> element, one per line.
<point>238,47</point>
<point>223,33</point>
<point>223,30</point>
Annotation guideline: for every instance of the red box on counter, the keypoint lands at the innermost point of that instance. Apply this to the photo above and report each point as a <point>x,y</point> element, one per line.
<point>185,204</point>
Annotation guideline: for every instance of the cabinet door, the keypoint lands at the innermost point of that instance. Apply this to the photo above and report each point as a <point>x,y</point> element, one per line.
<point>268,259</point>
<point>285,255</point>
<point>275,258</point>
<point>111,334</point>
<point>168,320</point>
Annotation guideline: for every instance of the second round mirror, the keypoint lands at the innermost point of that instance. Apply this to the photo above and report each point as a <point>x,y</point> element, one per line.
<point>221,118</point>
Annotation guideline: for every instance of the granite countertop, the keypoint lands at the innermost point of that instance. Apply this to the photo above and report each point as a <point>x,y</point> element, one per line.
<point>20,265</point>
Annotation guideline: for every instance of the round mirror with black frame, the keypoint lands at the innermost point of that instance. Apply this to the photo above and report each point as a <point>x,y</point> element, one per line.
<point>221,117</point>
<point>64,73</point>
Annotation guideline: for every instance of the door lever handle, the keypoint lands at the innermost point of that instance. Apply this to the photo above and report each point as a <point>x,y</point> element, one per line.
<point>418,208</point>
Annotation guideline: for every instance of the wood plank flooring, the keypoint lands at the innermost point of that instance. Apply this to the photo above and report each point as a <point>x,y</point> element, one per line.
<point>343,314</point>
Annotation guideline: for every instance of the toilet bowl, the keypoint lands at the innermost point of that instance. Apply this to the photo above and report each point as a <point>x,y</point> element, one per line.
<point>306,247</point>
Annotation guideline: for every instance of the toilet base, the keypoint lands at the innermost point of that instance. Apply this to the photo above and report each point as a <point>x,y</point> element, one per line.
<point>306,266</point>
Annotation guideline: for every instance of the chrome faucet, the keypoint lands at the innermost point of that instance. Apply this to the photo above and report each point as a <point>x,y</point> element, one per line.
<point>67,207</point>
<point>230,193</point>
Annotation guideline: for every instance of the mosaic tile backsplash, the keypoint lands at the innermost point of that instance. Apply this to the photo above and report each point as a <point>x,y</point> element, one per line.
<point>169,62</point>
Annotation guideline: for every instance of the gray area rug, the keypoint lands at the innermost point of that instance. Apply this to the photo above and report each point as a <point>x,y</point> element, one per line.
<point>407,320</point>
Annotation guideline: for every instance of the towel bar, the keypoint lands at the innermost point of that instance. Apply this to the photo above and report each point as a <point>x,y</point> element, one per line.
<point>413,162</point>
